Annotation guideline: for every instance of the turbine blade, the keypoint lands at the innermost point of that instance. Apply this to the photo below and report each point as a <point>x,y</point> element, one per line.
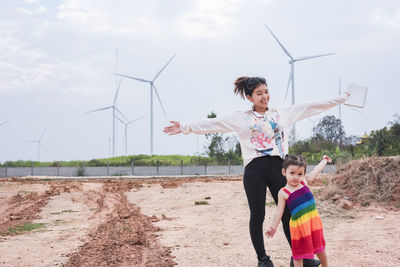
<point>99,109</point>
<point>116,93</point>
<point>32,141</point>
<point>158,74</point>
<point>134,78</point>
<point>281,45</point>
<point>290,79</point>
<point>40,138</point>
<point>4,122</point>
<point>121,114</point>
<point>120,119</point>
<point>310,57</point>
<point>135,120</point>
<point>159,99</point>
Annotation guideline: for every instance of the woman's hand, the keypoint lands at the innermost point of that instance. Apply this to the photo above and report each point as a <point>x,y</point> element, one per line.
<point>175,128</point>
<point>270,232</point>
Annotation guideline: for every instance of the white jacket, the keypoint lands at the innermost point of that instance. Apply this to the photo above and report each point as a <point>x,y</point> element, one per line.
<point>259,134</point>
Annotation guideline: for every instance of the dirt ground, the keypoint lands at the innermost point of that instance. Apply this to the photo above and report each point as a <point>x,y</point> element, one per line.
<point>155,222</point>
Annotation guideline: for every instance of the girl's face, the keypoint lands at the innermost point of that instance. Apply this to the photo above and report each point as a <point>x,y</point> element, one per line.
<point>260,97</point>
<point>294,175</point>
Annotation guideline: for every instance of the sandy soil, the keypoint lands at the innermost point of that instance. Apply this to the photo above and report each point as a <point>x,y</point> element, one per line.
<point>156,223</point>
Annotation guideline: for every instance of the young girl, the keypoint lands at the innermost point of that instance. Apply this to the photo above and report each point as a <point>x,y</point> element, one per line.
<point>305,224</point>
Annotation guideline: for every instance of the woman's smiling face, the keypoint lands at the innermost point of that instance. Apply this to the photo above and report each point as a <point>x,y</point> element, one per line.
<point>260,98</point>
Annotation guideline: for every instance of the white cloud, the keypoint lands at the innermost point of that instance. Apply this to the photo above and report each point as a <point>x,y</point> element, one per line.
<point>99,17</point>
<point>24,11</point>
<point>210,19</point>
<point>388,17</point>
<point>41,9</point>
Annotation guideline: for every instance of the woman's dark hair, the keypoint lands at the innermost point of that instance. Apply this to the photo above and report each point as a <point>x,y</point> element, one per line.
<point>246,85</point>
<point>294,160</point>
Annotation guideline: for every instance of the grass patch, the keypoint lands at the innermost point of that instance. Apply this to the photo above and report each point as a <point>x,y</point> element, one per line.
<point>58,222</point>
<point>69,211</point>
<point>55,213</point>
<point>26,227</point>
<point>202,202</point>
<point>93,209</point>
<point>270,204</point>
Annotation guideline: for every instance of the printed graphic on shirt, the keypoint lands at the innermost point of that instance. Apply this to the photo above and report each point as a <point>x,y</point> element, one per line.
<point>263,138</point>
<point>278,131</point>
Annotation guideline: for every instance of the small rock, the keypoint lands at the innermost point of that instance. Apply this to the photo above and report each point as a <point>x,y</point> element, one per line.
<point>15,217</point>
<point>346,204</point>
<point>336,197</point>
<point>379,217</point>
<point>225,243</point>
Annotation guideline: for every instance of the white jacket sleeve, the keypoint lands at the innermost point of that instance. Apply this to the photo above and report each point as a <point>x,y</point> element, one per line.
<point>291,114</point>
<point>223,124</point>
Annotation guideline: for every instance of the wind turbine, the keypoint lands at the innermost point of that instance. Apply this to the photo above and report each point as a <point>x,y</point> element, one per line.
<point>152,87</point>
<point>4,122</point>
<point>38,143</point>
<point>292,61</point>
<point>114,108</point>
<point>126,132</point>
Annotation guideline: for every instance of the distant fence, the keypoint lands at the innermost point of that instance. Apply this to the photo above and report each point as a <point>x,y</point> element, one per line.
<point>132,170</point>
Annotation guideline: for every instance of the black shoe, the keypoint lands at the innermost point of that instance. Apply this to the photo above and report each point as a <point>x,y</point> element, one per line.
<point>307,263</point>
<point>265,262</point>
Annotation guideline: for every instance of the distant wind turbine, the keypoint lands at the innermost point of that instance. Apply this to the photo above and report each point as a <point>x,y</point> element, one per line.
<point>152,87</point>
<point>38,143</point>
<point>291,75</point>
<point>114,108</point>
<point>4,122</point>
<point>126,132</point>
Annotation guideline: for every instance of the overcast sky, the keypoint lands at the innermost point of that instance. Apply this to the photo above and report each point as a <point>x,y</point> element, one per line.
<point>58,59</point>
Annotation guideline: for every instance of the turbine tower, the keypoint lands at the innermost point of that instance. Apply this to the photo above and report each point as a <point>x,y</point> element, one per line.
<point>292,61</point>
<point>152,88</point>
<point>38,143</point>
<point>126,132</point>
<point>114,109</point>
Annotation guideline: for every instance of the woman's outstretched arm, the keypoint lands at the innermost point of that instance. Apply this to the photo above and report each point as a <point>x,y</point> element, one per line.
<point>291,114</point>
<point>223,124</point>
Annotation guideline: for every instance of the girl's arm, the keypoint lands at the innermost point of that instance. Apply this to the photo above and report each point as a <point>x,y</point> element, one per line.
<point>291,114</point>
<point>310,177</point>
<point>215,125</point>
<point>278,214</point>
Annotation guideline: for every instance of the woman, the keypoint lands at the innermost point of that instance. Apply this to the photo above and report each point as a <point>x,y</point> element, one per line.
<point>264,143</point>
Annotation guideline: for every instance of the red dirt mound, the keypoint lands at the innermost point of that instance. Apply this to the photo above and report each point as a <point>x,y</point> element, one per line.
<point>371,180</point>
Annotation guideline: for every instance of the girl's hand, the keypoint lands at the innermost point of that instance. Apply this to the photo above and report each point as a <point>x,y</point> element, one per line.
<point>347,93</point>
<point>328,159</point>
<point>271,232</point>
<point>175,128</point>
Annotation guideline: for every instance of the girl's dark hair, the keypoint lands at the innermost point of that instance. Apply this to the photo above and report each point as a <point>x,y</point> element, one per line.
<point>246,85</point>
<point>294,160</point>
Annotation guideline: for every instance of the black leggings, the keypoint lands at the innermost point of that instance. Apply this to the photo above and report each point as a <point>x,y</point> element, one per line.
<point>259,174</point>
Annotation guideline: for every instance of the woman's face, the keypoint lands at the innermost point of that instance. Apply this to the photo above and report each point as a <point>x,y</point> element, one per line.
<point>260,97</point>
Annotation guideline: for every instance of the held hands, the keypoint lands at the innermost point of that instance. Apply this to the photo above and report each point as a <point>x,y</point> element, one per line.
<point>175,128</point>
<point>270,232</point>
<point>328,159</point>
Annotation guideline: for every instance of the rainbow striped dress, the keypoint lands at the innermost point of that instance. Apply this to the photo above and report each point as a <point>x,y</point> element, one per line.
<point>305,224</point>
